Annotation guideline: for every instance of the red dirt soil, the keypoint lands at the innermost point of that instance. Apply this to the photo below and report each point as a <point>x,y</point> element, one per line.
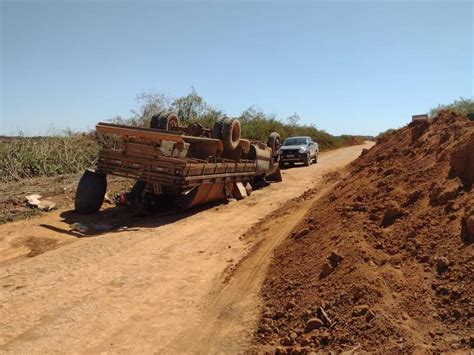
<point>384,262</point>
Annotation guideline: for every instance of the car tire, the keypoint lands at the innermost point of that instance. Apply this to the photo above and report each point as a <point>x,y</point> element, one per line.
<point>307,160</point>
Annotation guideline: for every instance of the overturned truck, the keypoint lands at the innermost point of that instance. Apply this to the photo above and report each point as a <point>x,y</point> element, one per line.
<point>183,165</point>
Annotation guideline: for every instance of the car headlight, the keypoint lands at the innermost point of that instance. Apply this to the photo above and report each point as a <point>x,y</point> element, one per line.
<point>302,150</point>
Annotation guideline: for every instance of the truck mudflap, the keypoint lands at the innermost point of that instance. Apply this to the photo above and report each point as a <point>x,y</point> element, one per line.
<point>275,176</point>
<point>204,194</point>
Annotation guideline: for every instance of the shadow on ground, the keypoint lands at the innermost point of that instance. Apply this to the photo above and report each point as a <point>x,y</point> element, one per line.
<point>119,218</point>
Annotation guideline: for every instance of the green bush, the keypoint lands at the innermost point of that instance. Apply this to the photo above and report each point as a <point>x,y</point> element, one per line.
<point>257,125</point>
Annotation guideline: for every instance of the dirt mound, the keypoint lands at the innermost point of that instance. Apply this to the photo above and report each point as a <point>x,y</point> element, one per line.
<point>385,261</point>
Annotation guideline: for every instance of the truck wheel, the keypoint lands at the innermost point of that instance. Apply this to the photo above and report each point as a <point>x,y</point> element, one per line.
<point>274,142</point>
<point>169,121</point>
<point>316,158</point>
<point>90,192</point>
<point>231,133</point>
<point>137,190</point>
<point>307,160</point>
<point>217,128</point>
<point>155,121</point>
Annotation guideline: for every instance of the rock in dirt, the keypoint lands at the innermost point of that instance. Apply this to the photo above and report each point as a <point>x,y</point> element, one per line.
<point>279,314</point>
<point>442,264</point>
<point>305,341</point>
<point>313,323</point>
<point>462,161</point>
<point>441,196</point>
<point>264,329</point>
<point>326,270</point>
<point>470,224</point>
<point>325,338</point>
<point>35,201</point>
<point>369,315</point>
<point>467,229</point>
<point>335,258</point>
<point>301,233</point>
<point>467,222</point>
<point>360,310</point>
<point>291,304</point>
<point>47,205</point>
<point>392,212</point>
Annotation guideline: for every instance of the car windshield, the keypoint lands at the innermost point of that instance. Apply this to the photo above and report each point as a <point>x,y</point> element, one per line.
<point>296,141</point>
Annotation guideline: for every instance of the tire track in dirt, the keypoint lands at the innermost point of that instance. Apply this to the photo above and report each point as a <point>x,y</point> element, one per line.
<point>234,307</point>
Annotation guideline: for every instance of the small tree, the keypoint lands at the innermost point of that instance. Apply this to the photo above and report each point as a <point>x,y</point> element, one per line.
<point>189,107</point>
<point>151,103</point>
<point>193,108</point>
<point>293,120</point>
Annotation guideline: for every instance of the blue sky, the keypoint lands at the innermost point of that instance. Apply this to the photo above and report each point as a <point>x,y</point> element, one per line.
<point>346,66</point>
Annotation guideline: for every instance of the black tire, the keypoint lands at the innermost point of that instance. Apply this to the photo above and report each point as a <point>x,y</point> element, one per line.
<point>169,121</point>
<point>137,190</point>
<point>183,201</point>
<point>231,133</point>
<point>274,142</point>
<point>90,192</point>
<point>316,158</point>
<point>307,160</point>
<point>217,128</point>
<point>155,120</point>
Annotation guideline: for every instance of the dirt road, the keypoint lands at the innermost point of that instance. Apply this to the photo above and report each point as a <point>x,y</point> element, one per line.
<point>186,283</point>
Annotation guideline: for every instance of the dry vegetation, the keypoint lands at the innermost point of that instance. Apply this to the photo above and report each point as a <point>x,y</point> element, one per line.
<point>26,157</point>
<point>69,152</point>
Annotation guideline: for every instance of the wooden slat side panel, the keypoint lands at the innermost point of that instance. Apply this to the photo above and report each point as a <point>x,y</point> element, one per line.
<point>178,173</point>
<point>126,131</point>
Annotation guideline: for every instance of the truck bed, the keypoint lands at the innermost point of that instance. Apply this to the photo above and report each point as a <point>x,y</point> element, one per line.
<point>163,158</point>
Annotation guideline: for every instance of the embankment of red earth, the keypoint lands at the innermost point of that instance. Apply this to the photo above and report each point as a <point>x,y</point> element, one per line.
<point>384,262</point>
